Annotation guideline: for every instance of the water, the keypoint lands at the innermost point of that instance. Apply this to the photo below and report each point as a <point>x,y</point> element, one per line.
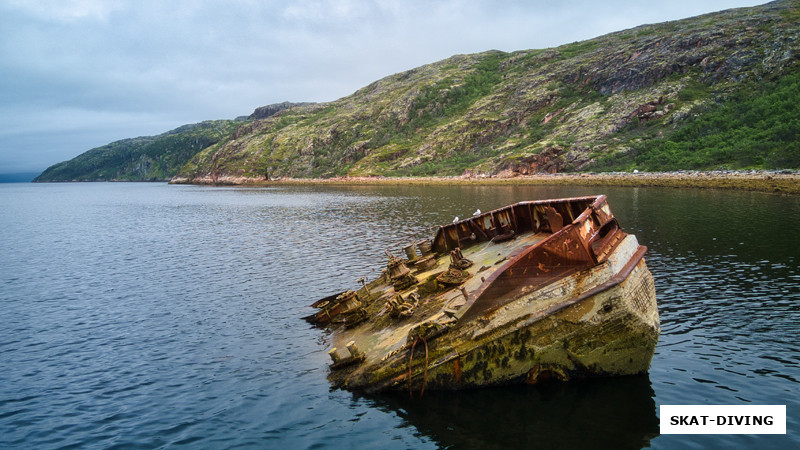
<point>148,315</point>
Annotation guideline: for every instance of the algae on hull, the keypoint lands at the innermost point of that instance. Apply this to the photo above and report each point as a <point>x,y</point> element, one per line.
<point>531,291</point>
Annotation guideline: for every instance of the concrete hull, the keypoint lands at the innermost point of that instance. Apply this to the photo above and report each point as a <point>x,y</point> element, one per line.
<point>504,326</point>
<point>559,332</point>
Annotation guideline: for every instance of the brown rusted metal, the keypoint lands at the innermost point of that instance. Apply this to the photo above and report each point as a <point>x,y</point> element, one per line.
<point>400,307</point>
<point>479,295</point>
<point>538,265</point>
<point>400,274</point>
<point>554,218</point>
<point>453,276</point>
<point>335,306</point>
<point>425,372</point>
<point>425,263</point>
<point>520,216</point>
<point>457,260</point>
<point>424,247</point>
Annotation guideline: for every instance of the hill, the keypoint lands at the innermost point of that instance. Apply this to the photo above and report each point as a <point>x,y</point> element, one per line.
<point>152,158</point>
<point>720,90</point>
<point>147,158</point>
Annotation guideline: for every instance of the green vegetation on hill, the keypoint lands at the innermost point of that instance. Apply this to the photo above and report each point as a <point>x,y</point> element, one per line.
<point>152,158</point>
<point>718,90</point>
<point>643,98</point>
<point>448,98</point>
<point>757,126</point>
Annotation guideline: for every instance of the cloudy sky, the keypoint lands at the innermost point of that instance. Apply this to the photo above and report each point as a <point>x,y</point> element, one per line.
<point>78,74</point>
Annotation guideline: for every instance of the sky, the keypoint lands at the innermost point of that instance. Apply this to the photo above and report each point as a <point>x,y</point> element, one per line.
<point>79,74</point>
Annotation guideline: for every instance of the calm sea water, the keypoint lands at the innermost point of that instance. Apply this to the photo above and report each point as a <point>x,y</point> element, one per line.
<point>148,315</point>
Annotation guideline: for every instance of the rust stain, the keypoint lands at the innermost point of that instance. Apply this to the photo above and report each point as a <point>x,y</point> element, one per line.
<point>457,369</point>
<point>539,375</point>
<point>577,312</point>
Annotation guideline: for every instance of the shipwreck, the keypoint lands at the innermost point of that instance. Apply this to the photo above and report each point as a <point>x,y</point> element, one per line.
<point>533,291</point>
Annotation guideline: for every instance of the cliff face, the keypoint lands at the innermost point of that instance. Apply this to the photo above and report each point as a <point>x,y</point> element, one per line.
<point>561,109</point>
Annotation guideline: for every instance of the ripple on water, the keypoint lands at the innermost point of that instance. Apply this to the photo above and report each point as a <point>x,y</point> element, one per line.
<point>152,315</point>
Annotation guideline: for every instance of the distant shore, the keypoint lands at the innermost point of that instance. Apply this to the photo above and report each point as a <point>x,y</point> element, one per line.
<point>782,182</point>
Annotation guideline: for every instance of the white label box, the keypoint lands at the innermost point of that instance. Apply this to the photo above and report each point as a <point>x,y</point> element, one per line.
<point>723,419</point>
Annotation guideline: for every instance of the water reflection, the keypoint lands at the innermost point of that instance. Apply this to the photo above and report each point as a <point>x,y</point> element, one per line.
<point>610,413</point>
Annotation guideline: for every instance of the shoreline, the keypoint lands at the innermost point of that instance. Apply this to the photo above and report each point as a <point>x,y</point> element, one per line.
<point>779,182</point>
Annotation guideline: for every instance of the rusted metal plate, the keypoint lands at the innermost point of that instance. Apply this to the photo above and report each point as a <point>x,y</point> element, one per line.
<point>485,288</point>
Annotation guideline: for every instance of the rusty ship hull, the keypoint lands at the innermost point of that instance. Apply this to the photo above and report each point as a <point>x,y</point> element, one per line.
<point>539,290</point>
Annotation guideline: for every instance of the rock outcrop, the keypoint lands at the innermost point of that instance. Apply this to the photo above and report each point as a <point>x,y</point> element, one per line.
<point>262,112</point>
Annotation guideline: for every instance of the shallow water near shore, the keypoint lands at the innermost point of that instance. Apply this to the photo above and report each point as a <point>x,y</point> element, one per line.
<point>144,315</point>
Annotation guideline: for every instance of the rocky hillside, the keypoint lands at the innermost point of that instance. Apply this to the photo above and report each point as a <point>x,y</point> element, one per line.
<point>148,158</point>
<point>152,158</point>
<point>601,103</point>
<point>715,91</point>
